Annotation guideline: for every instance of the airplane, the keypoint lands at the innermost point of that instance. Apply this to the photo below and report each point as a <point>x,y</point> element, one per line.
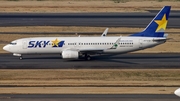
<point>76,47</point>
<point>177,92</point>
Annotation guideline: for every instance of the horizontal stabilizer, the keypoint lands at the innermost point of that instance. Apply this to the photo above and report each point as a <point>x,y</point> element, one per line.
<point>159,39</point>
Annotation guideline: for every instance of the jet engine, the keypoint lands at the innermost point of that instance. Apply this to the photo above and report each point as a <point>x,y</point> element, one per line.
<point>69,54</point>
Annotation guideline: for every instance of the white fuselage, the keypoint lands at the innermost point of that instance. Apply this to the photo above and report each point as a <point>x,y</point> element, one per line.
<point>40,45</point>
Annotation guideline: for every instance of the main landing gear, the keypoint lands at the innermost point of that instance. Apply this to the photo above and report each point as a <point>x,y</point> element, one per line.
<point>20,58</point>
<point>87,57</point>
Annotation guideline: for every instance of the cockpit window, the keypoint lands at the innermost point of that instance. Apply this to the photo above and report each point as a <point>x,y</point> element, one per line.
<point>13,43</point>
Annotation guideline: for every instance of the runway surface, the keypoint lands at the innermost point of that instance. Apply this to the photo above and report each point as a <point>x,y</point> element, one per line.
<point>123,61</point>
<point>85,19</point>
<point>89,97</point>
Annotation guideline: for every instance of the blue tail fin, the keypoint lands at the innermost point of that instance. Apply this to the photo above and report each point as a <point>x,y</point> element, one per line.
<point>157,26</point>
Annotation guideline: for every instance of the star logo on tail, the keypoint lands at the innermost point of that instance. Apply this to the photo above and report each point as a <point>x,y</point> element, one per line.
<point>161,24</point>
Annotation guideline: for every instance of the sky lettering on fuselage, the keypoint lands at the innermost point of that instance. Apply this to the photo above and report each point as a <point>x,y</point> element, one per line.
<point>43,44</point>
<point>40,44</point>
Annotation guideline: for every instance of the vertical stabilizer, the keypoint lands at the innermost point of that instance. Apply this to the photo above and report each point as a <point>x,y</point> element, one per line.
<point>157,27</point>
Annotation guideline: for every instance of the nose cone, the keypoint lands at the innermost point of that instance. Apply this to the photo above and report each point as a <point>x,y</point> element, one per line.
<point>177,92</point>
<point>6,48</point>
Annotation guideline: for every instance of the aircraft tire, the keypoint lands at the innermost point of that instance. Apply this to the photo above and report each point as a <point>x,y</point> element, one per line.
<point>88,57</point>
<point>20,58</point>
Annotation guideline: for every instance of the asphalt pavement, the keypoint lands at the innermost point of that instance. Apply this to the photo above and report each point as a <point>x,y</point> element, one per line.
<point>88,97</point>
<point>121,61</point>
<point>131,19</point>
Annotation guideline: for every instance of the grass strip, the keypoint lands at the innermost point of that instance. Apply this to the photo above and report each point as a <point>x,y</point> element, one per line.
<point>91,78</point>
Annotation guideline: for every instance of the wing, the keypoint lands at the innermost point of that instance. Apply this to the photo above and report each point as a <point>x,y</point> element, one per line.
<point>95,50</point>
<point>115,45</point>
<point>91,51</point>
<point>100,50</point>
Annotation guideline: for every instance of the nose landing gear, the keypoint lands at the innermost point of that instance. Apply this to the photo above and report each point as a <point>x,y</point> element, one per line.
<point>20,56</point>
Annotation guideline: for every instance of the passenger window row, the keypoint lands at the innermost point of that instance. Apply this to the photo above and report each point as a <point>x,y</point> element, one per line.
<point>98,43</point>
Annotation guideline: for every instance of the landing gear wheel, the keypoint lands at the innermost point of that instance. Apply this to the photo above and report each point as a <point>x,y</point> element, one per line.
<point>20,58</point>
<point>87,57</point>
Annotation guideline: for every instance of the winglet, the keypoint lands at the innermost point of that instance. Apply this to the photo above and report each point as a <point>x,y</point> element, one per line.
<point>105,32</point>
<point>115,45</point>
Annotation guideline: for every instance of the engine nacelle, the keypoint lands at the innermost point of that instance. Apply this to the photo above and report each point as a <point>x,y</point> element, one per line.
<point>69,54</point>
